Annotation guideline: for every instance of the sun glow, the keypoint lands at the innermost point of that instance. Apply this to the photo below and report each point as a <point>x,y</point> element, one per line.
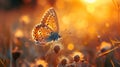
<point>89,1</point>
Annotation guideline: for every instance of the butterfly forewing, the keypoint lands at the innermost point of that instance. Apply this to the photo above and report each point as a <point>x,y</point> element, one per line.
<point>50,20</point>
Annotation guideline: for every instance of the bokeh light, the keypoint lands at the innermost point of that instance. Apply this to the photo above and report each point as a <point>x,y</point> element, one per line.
<point>70,46</point>
<point>25,19</point>
<point>19,33</point>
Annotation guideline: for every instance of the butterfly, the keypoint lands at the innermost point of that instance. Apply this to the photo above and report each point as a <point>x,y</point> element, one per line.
<point>48,28</point>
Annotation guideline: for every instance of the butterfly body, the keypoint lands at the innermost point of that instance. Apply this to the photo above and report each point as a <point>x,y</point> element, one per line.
<point>48,28</point>
<point>53,36</point>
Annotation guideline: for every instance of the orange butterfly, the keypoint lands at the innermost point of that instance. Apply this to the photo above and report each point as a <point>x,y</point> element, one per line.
<point>48,28</point>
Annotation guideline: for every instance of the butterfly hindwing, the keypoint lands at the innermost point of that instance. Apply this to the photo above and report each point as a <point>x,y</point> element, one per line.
<point>40,33</point>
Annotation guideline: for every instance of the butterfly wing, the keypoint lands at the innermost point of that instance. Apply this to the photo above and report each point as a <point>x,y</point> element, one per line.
<point>40,33</point>
<point>50,20</point>
<point>48,24</point>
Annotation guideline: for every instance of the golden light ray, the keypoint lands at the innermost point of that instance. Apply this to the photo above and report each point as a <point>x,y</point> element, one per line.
<point>86,15</point>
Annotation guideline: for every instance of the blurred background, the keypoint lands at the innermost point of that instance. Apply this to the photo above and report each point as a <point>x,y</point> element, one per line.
<point>84,25</point>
